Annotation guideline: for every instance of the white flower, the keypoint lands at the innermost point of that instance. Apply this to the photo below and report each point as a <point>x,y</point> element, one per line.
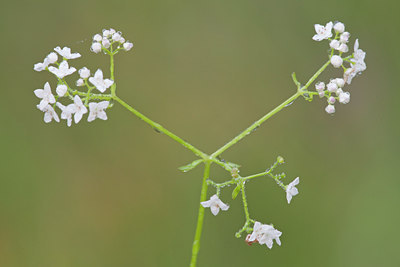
<point>112,31</point>
<point>63,70</point>
<point>66,53</point>
<point>97,38</point>
<point>323,32</point>
<point>214,204</point>
<point>96,47</point>
<point>321,94</point>
<point>79,109</point>
<point>332,100</point>
<point>106,33</point>
<point>84,73</point>
<point>116,37</point>
<point>52,57</point>
<point>339,91</point>
<point>343,48</point>
<point>335,44</point>
<point>46,96</point>
<point>332,86</point>
<point>336,61</point>
<point>344,37</point>
<point>265,234</point>
<point>122,40</point>
<point>357,66</point>
<point>128,46</point>
<point>99,82</point>
<point>96,110</point>
<point>61,90</point>
<point>330,109</point>
<point>49,114</point>
<point>340,82</point>
<point>291,190</point>
<point>41,65</point>
<point>320,86</point>
<point>344,97</point>
<point>80,82</point>
<point>106,43</point>
<point>67,112</point>
<point>338,27</point>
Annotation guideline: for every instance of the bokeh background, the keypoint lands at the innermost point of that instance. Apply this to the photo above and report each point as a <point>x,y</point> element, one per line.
<point>109,193</point>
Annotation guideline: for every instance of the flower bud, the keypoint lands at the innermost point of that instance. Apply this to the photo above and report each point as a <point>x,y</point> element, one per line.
<point>331,100</point>
<point>122,40</point>
<point>80,82</point>
<point>339,91</point>
<point>320,86</point>
<point>343,48</point>
<point>128,46</point>
<point>52,57</point>
<point>339,82</point>
<point>344,37</point>
<point>335,44</point>
<point>106,43</point>
<point>332,86</point>
<point>84,73</point>
<point>330,109</point>
<point>344,98</point>
<point>106,33</point>
<point>61,90</point>
<point>339,27</point>
<point>280,160</point>
<point>97,38</point>
<point>321,94</point>
<point>96,47</point>
<point>116,37</point>
<point>336,61</point>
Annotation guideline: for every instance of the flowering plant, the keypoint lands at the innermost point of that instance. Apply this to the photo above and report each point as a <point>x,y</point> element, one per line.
<point>89,95</point>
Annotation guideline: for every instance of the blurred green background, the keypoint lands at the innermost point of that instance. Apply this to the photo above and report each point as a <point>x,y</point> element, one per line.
<point>109,193</point>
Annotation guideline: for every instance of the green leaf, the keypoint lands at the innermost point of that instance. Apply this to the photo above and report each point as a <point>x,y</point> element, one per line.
<point>190,166</point>
<point>236,191</point>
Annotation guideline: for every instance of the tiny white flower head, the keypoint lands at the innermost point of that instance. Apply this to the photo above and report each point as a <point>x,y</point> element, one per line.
<point>320,86</point>
<point>80,82</point>
<point>335,44</point>
<point>106,43</point>
<point>214,204</point>
<point>343,48</point>
<point>61,90</point>
<point>339,91</point>
<point>67,112</point>
<point>340,82</point>
<point>106,33</point>
<point>122,40</point>
<point>344,37</point>
<point>265,234</point>
<point>79,109</point>
<point>336,61</point>
<point>66,53</point>
<point>358,64</point>
<point>41,65</point>
<point>100,83</point>
<point>49,114</point>
<point>331,100</point>
<point>128,46</point>
<point>321,94</point>
<point>112,31</point>
<point>84,73</point>
<point>97,110</point>
<point>332,86</point>
<point>97,38</point>
<point>338,27</point>
<point>46,96</point>
<point>52,57</point>
<point>330,109</point>
<point>63,70</point>
<point>96,47</point>
<point>323,32</point>
<point>344,97</point>
<point>291,189</point>
<point>116,37</point>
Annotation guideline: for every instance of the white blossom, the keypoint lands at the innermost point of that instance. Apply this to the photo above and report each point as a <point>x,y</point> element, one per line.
<point>332,86</point>
<point>321,94</point>
<point>320,86</point>
<point>41,65</point>
<point>96,47</point>
<point>106,43</point>
<point>97,37</point>
<point>61,90</point>
<point>84,73</point>
<point>46,96</point>
<point>335,44</point>
<point>330,109</point>
<point>116,37</point>
<point>66,53</point>
<point>215,204</point>
<point>106,33</point>
<point>331,100</point>
<point>52,57</point>
<point>128,46</point>
<point>265,234</point>
<point>62,70</point>
<point>336,61</point>
<point>344,37</point>
<point>358,65</point>
<point>100,83</point>
<point>291,189</point>
<point>122,40</point>
<point>340,82</point>
<point>338,27</point>
<point>323,32</point>
<point>67,112</point>
<point>111,31</point>
<point>49,114</point>
<point>344,97</point>
<point>339,91</point>
<point>343,48</point>
<point>78,109</point>
<point>80,82</point>
<point>97,110</point>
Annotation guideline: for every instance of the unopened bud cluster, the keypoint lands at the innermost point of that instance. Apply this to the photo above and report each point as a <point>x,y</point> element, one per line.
<point>333,91</point>
<point>107,39</point>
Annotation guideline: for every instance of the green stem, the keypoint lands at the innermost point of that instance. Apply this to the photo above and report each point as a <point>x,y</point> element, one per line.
<point>200,218</point>
<point>113,86</point>
<point>246,209</point>
<point>161,129</point>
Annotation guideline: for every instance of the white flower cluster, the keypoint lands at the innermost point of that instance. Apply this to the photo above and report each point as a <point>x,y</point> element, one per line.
<point>333,91</point>
<point>78,108</point>
<point>215,204</point>
<point>264,234</point>
<point>107,40</point>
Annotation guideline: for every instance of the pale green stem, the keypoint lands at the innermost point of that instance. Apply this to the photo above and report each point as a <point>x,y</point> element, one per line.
<point>246,209</point>
<point>200,218</point>
<point>161,129</point>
